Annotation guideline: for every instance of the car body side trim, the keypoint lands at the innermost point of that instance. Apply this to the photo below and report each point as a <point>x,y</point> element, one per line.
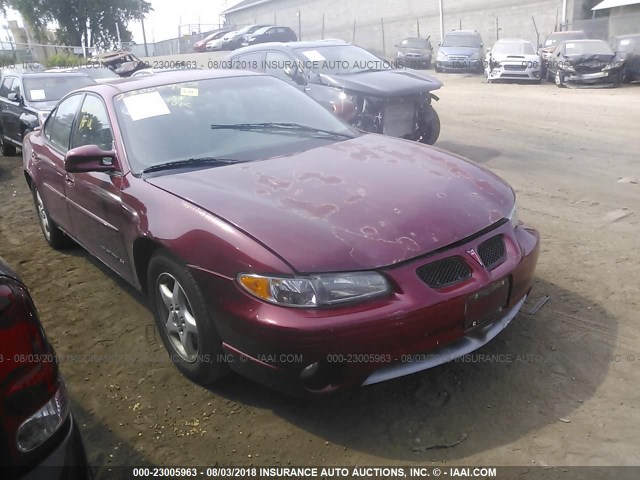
<point>92,215</point>
<point>447,353</point>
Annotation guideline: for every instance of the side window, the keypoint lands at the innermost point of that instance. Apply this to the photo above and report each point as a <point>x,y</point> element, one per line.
<point>92,127</point>
<point>62,121</point>
<point>5,88</point>
<point>47,126</point>
<point>15,88</point>
<point>250,61</point>
<point>275,64</point>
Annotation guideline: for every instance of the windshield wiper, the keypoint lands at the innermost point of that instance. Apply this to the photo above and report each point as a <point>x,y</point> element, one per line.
<point>280,127</point>
<point>189,162</point>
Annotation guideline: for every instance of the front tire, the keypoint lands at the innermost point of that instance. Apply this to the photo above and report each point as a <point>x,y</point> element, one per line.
<point>55,237</point>
<point>430,136</point>
<point>559,79</point>
<point>184,321</point>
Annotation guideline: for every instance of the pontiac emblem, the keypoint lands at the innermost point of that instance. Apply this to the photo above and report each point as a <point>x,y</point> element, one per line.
<point>473,254</point>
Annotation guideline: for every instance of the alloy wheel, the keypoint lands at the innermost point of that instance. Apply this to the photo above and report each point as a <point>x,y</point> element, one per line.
<point>180,324</point>
<point>43,217</point>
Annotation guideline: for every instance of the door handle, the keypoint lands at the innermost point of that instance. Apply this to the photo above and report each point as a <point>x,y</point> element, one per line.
<point>69,180</point>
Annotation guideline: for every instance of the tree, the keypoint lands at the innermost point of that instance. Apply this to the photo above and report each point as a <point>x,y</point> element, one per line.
<point>82,22</point>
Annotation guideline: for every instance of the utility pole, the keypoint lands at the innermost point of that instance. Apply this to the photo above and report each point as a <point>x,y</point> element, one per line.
<point>144,34</point>
<point>441,22</point>
<point>118,34</point>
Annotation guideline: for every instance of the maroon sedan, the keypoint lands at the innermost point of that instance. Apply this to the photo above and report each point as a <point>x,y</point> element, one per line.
<point>275,240</point>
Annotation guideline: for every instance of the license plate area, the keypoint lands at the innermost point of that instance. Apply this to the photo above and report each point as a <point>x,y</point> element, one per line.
<point>487,305</point>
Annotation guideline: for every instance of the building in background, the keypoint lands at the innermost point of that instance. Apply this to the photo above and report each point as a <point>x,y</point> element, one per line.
<point>378,25</point>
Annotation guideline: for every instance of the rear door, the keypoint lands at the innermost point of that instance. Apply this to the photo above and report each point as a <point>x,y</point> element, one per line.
<point>48,160</point>
<point>95,204</point>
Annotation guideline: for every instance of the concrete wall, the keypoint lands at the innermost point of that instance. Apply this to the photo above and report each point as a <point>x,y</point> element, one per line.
<point>514,18</point>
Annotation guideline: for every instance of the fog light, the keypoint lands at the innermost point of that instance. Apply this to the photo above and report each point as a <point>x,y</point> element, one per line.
<point>309,371</point>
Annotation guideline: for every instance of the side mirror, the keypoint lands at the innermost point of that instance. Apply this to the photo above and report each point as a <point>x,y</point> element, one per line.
<point>482,45</point>
<point>439,44</point>
<point>14,97</point>
<point>89,158</point>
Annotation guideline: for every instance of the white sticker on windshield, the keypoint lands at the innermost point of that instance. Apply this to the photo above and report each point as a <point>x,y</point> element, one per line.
<point>146,105</point>
<point>37,95</point>
<point>625,42</point>
<point>314,56</point>
<point>188,92</point>
<point>571,45</point>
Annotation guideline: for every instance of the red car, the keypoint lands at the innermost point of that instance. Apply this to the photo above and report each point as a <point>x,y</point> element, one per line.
<point>38,433</point>
<point>275,240</point>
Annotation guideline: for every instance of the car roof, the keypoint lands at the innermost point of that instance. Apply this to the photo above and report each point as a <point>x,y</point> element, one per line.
<point>123,85</point>
<point>585,40</point>
<point>47,74</point>
<point>568,32</point>
<point>512,40</point>
<point>463,32</point>
<point>292,45</point>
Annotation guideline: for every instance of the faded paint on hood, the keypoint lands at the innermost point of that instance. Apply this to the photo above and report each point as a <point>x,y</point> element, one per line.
<point>359,204</point>
<point>386,83</point>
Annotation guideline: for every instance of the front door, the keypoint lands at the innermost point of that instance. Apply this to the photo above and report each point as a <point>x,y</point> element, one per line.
<point>94,198</point>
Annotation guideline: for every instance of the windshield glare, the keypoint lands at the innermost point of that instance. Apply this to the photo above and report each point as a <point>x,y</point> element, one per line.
<point>173,122</point>
<point>594,47</point>
<point>553,40</point>
<point>513,49</point>
<point>471,41</point>
<point>340,60</point>
<point>47,89</point>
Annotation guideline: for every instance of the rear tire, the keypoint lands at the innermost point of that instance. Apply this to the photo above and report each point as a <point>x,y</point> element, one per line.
<point>184,321</point>
<point>7,149</point>
<point>55,237</point>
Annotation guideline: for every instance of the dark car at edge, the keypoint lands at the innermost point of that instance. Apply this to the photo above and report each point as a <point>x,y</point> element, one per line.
<point>39,437</point>
<point>363,89</point>
<point>27,98</point>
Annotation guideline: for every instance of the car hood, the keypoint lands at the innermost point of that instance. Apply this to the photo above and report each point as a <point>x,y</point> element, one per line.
<point>590,58</point>
<point>354,205</point>
<point>43,106</point>
<point>423,51</point>
<point>460,50</point>
<point>508,57</point>
<point>387,83</point>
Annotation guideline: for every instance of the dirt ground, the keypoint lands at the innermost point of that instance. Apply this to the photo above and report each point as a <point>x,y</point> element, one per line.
<point>564,392</point>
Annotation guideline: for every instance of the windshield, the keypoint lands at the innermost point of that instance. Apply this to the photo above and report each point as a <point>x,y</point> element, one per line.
<point>555,39</point>
<point>195,120</point>
<point>472,41</point>
<point>593,47</point>
<point>47,89</point>
<point>260,31</point>
<point>518,48</point>
<point>98,72</point>
<point>414,43</point>
<point>340,60</point>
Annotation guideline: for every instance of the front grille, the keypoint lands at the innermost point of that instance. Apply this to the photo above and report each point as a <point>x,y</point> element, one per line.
<point>585,69</point>
<point>515,68</point>
<point>458,58</point>
<point>492,252</point>
<point>445,272</point>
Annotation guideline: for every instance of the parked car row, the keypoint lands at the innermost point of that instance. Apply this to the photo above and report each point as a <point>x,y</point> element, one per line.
<point>229,38</point>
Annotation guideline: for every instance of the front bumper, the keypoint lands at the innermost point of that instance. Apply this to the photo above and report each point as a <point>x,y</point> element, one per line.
<point>612,76</point>
<point>368,342</point>
<point>515,71</point>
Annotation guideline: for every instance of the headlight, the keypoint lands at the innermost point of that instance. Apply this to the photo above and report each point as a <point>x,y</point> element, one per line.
<point>475,56</point>
<point>612,66</point>
<point>315,290</point>
<point>400,54</point>
<point>441,56</point>
<point>513,218</point>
